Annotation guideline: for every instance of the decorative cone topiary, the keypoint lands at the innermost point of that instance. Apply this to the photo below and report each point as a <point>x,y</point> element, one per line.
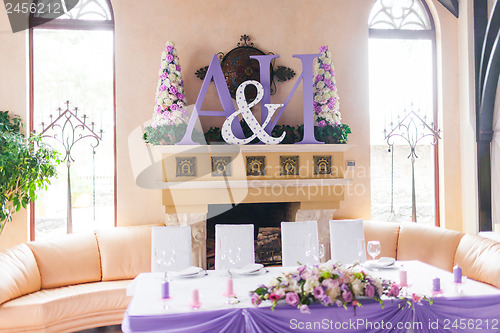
<point>170,116</point>
<point>326,98</point>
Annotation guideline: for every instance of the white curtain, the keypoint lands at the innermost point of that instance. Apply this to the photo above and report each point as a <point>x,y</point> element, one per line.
<point>495,162</point>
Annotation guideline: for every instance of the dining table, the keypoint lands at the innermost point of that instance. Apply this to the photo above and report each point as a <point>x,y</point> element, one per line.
<point>471,306</point>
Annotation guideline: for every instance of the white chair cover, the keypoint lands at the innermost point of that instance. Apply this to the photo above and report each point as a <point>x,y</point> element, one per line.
<point>347,241</point>
<point>166,239</point>
<point>234,246</point>
<point>299,243</point>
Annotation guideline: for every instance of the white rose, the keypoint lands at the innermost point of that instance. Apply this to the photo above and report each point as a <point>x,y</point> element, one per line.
<point>357,287</point>
<point>172,77</point>
<point>333,293</point>
<point>170,43</point>
<point>310,285</point>
<point>317,98</point>
<point>172,97</point>
<point>167,101</point>
<point>172,67</point>
<point>328,75</point>
<point>320,85</point>
<point>321,71</point>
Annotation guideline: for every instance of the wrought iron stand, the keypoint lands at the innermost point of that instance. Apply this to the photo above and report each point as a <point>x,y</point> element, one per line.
<point>68,129</point>
<point>412,129</point>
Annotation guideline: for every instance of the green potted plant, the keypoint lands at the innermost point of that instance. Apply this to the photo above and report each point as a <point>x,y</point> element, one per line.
<point>26,165</point>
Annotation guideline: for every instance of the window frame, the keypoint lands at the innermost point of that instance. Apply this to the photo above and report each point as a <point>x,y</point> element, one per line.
<point>70,24</point>
<point>429,34</point>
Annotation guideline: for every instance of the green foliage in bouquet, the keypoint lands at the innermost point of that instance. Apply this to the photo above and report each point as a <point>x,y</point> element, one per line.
<point>26,165</point>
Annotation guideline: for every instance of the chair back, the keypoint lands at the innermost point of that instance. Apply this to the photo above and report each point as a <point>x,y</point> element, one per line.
<point>170,248</point>
<point>234,246</point>
<point>347,241</point>
<point>299,243</point>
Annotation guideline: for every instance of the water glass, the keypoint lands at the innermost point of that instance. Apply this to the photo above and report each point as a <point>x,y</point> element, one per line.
<point>373,249</point>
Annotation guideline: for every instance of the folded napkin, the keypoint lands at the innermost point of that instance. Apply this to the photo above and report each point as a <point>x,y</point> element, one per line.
<point>193,270</point>
<point>248,269</point>
<point>384,262</point>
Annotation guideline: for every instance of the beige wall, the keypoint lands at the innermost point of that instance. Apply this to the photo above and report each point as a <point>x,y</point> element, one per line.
<point>285,27</point>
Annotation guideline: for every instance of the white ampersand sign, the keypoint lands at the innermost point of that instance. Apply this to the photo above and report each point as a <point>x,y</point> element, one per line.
<point>244,108</point>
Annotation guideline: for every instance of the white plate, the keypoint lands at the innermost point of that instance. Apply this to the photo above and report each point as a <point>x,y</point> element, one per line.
<point>259,271</point>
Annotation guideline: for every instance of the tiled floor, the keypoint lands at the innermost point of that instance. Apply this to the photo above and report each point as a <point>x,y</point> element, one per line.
<point>106,329</point>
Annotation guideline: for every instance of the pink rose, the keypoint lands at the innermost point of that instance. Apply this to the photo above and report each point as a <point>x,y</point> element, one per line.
<point>330,105</point>
<point>178,68</point>
<point>347,296</point>
<point>394,291</point>
<point>323,49</point>
<point>169,58</point>
<point>292,298</point>
<point>319,78</point>
<point>273,297</point>
<point>180,96</point>
<point>369,291</point>
<point>322,123</point>
<point>326,67</point>
<point>304,309</point>
<point>174,107</point>
<point>170,48</point>
<point>319,293</point>
<point>173,90</point>
<point>256,299</point>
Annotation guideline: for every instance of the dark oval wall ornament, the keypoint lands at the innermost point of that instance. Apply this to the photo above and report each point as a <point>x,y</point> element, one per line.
<point>238,68</point>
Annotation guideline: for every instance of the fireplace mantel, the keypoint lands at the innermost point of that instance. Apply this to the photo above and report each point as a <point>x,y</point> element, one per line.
<point>309,176</point>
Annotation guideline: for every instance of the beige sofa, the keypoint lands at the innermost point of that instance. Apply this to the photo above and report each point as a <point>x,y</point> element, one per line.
<point>73,282</point>
<point>79,281</point>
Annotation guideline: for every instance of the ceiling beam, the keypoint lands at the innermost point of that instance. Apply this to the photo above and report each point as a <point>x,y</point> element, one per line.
<point>451,5</point>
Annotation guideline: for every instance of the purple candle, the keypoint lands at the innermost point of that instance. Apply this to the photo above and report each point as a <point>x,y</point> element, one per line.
<point>457,274</point>
<point>436,284</point>
<point>165,290</point>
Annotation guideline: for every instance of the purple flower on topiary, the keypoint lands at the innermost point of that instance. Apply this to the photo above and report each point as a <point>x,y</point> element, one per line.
<point>330,105</point>
<point>322,123</point>
<point>317,109</point>
<point>323,49</point>
<point>180,96</point>
<point>173,90</point>
<point>174,107</point>
<point>163,87</point>
<point>178,68</point>
<point>319,77</point>
<point>170,48</point>
<point>169,58</point>
<point>326,67</point>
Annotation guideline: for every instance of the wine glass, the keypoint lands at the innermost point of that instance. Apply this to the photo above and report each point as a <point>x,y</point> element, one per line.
<point>373,248</point>
<point>360,249</point>
<point>320,254</point>
<point>234,258</point>
<point>165,258</point>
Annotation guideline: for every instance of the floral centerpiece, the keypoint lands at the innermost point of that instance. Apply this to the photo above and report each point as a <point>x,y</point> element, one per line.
<point>169,117</point>
<point>326,100</point>
<point>328,284</point>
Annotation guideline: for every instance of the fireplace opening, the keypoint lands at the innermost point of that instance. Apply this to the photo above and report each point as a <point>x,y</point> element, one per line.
<point>266,218</point>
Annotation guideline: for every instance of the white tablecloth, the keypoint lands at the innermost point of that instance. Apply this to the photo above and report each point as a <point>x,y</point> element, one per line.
<point>147,301</point>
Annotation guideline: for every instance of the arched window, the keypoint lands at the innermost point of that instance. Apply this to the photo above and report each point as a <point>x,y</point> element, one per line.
<point>402,83</point>
<point>72,59</point>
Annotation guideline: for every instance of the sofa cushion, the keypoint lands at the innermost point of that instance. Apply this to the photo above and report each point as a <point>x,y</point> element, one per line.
<point>65,309</point>
<point>386,233</point>
<point>479,259</point>
<point>432,245</point>
<point>67,260</point>
<point>125,251</point>
<point>19,273</point>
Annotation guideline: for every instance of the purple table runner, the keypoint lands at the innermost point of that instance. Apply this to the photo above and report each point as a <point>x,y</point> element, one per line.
<point>369,318</point>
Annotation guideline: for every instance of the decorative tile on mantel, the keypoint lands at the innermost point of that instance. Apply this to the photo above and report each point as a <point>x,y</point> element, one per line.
<point>221,166</point>
<point>289,165</point>
<point>323,165</point>
<point>185,166</point>
<point>256,165</point>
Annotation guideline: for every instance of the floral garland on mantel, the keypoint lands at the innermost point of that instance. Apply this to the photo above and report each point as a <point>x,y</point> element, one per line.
<point>170,117</point>
<point>328,284</point>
